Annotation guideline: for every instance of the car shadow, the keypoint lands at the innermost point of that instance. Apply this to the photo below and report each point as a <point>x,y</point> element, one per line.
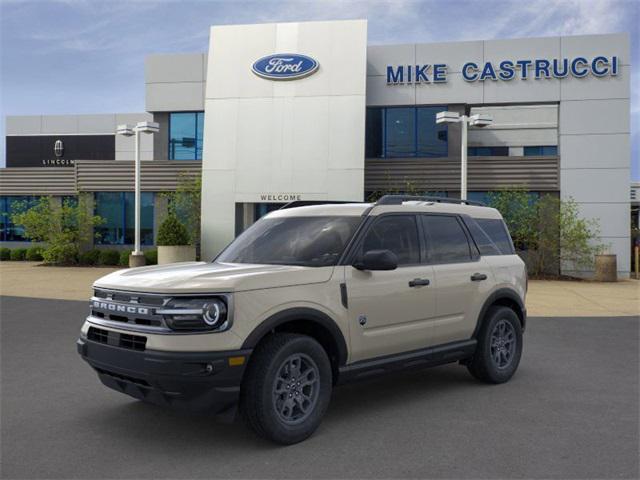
<point>180,430</point>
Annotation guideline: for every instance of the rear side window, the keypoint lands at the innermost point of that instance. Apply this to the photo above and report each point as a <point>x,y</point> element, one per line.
<point>398,233</point>
<point>446,240</point>
<point>498,233</point>
<point>484,243</point>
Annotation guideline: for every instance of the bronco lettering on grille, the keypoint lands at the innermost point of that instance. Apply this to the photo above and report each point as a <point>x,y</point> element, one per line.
<point>116,307</point>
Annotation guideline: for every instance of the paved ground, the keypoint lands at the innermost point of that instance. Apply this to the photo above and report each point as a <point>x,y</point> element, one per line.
<point>570,412</point>
<point>545,298</point>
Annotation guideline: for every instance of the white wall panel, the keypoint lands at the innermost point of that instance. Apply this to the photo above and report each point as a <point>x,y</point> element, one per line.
<point>301,136</point>
<point>595,151</point>
<point>596,185</point>
<point>174,97</point>
<point>594,117</point>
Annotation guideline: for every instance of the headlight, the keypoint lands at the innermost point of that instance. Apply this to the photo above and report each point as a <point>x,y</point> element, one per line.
<point>196,314</point>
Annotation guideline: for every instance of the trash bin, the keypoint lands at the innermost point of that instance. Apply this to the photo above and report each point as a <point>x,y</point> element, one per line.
<point>606,268</point>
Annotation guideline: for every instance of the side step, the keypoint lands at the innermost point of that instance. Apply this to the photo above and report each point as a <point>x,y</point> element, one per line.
<point>426,357</point>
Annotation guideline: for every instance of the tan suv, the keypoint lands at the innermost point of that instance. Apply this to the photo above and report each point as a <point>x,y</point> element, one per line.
<point>312,296</point>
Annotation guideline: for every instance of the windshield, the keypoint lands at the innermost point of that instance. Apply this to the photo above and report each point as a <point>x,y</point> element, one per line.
<point>305,241</point>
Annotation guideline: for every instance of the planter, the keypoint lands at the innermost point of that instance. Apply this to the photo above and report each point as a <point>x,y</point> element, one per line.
<point>176,253</point>
<point>606,268</point>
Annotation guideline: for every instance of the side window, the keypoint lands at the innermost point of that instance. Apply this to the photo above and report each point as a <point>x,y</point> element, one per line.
<point>483,241</point>
<point>446,240</point>
<point>398,233</point>
<point>497,231</point>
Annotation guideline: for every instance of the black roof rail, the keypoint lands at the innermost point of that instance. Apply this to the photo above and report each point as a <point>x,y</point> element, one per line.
<point>398,199</point>
<point>306,203</point>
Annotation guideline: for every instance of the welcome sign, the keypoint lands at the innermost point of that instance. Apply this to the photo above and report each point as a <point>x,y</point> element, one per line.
<point>506,70</point>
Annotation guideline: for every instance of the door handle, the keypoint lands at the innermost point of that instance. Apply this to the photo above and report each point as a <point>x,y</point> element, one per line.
<point>419,282</point>
<point>478,277</point>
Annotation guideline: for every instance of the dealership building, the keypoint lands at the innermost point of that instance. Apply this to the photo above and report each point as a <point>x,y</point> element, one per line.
<point>308,111</point>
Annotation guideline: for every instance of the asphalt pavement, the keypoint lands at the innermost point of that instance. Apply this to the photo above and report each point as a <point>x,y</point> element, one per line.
<point>571,411</point>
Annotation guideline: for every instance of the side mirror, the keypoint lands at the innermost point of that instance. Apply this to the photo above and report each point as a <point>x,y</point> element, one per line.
<point>377,260</point>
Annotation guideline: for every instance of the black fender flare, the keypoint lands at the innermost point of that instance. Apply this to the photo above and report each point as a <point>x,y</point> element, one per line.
<point>300,313</point>
<point>495,297</point>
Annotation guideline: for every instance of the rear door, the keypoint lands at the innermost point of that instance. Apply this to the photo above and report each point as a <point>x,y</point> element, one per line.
<point>462,277</point>
<point>389,311</point>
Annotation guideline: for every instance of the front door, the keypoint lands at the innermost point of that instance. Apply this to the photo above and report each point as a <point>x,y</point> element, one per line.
<point>389,311</point>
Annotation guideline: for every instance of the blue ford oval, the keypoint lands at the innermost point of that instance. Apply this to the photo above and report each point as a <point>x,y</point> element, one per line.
<point>284,66</point>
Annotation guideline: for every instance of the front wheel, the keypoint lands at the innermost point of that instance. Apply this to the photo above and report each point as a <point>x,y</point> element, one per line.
<point>287,388</point>
<point>499,347</point>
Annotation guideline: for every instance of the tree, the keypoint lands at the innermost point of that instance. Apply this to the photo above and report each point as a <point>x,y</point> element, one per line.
<point>64,227</point>
<point>548,232</point>
<point>184,203</point>
<point>172,232</point>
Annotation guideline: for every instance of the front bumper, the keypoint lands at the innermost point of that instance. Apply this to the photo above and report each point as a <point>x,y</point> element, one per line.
<point>198,381</point>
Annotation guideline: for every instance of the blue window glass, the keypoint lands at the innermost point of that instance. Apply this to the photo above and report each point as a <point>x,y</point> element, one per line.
<point>541,151</point>
<point>488,151</point>
<point>117,209</point>
<point>185,135</point>
<point>9,232</point>
<point>478,197</point>
<point>405,132</point>
<point>432,137</point>
<point>400,138</point>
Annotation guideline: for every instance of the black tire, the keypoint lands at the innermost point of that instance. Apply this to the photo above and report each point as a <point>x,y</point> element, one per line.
<point>497,363</point>
<point>273,361</point>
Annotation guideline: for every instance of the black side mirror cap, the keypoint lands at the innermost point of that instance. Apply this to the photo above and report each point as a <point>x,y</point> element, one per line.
<point>377,260</point>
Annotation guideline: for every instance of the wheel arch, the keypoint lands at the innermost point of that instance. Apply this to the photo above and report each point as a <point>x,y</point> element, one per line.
<point>307,321</point>
<point>504,297</point>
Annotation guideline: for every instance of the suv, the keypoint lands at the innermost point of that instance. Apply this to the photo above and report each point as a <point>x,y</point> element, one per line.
<point>309,297</point>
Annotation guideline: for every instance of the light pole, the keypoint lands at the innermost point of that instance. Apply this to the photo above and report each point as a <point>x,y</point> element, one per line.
<point>136,259</point>
<point>477,120</point>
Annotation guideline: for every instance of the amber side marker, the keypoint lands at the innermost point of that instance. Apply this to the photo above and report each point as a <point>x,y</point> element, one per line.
<point>236,361</point>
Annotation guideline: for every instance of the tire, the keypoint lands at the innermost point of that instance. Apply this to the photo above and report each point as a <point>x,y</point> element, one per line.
<point>274,405</point>
<point>497,363</point>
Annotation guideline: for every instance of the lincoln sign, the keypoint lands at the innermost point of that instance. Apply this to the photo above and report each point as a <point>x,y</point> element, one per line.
<point>506,70</point>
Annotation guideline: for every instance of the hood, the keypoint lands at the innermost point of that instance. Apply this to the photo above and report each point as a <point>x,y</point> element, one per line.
<point>201,277</point>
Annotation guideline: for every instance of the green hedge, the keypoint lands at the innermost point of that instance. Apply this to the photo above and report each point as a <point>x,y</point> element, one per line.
<point>151,257</point>
<point>18,254</point>
<point>5,254</point>
<point>90,257</point>
<point>124,258</point>
<point>109,257</point>
<point>34,254</point>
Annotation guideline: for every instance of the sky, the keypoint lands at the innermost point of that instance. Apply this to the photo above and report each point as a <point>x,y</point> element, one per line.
<point>87,56</point>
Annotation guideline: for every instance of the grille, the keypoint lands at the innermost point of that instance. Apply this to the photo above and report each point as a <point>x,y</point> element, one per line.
<point>122,340</point>
<point>129,308</point>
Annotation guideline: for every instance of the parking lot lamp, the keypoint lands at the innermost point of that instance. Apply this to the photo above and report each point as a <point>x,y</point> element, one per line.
<point>136,259</point>
<point>477,120</point>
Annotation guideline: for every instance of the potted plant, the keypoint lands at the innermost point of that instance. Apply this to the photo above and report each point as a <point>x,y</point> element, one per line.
<point>173,242</point>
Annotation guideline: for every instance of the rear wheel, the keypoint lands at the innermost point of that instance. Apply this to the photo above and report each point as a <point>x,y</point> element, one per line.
<point>499,346</point>
<point>287,388</point>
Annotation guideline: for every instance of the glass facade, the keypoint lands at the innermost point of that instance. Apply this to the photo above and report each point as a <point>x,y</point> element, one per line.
<point>405,132</point>
<point>8,206</point>
<point>117,209</point>
<point>488,151</point>
<point>185,135</point>
<point>541,151</point>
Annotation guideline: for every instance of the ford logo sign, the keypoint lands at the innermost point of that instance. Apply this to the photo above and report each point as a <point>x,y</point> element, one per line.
<point>285,66</point>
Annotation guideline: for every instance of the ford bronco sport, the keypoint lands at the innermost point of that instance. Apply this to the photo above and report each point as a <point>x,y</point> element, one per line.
<point>309,297</point>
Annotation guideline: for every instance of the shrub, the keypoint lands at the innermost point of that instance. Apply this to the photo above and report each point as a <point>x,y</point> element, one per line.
<point>124,258</point>
<point>63,227</point>
<point>90,257</point>
<point>151,257</point>
<point>34,254</point>
<point>5,253</point>
<point>61,254</point>
<point>18,254</point>
<point>172,232</point>
<point>109,257</point>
